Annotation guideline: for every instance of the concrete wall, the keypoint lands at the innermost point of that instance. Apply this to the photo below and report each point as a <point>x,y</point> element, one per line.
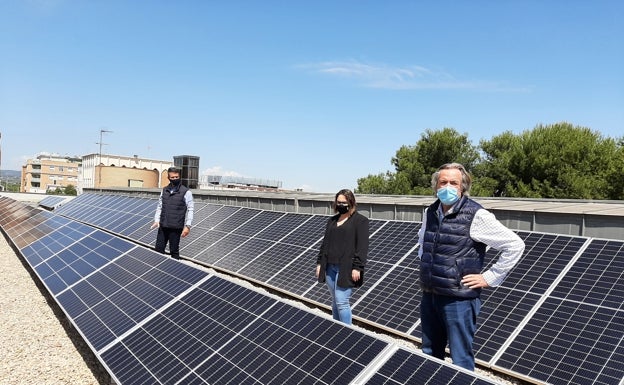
<point>604,219</point>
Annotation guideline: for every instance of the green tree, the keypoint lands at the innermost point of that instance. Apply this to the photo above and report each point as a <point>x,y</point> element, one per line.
<point>414,164</point>
<point>70,190</point>
<point>555,161</point>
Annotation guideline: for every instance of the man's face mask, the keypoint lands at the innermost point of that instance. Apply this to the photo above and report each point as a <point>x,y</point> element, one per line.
<point>447,195</point>
<point>175,182</point>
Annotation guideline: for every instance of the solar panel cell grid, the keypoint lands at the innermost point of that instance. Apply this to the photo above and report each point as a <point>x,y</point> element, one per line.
<point>394,302</point>
<point>258,223</point>
<point>502,311</point>
<point>271,261</point>
<point>237,219</point>
<point>241,256</point>
<point>393,241</point>
<point>218,216</point>
<point>282,227</point>
<point>407,368</point>
<point>563,329</point>
<point>545,257</point>
<point>597,276</point>
<point>299,276</point>
<point>309,233</point>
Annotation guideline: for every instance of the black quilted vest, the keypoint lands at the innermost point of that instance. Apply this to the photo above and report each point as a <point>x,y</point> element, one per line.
<point>448,251</point>
<point>173,211</point>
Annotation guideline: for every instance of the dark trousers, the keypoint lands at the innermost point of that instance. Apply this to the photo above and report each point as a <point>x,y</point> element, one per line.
<point>171,236</point>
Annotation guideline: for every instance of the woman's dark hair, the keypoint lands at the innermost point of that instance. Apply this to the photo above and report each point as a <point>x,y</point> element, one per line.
<point>350,198</point>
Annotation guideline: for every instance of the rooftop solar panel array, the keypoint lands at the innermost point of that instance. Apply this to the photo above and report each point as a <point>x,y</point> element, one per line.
<point>562,283</point>
<point>153,320</point>
<point>51,202</point>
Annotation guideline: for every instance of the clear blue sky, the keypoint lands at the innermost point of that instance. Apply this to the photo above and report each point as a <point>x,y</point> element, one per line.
<point>313,93</point>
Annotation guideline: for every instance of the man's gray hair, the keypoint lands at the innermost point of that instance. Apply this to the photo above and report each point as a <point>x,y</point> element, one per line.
<point>466,178</point>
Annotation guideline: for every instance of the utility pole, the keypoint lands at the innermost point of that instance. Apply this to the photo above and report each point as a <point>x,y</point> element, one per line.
<point>102,132</point>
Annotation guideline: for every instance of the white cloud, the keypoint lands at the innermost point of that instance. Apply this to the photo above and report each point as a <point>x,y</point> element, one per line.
<point>401,78</point>
<point>218,170</point>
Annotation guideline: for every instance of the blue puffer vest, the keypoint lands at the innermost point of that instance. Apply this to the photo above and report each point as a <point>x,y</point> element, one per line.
<point>173,211</point>
<point>448,251</point>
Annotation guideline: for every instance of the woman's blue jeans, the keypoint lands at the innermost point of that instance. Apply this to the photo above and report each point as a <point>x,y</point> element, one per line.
<point>341,308</point>
<point>449,319</point>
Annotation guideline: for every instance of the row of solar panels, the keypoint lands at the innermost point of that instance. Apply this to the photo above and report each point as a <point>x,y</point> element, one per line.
<point>558,317</point>
<point>153,320</point>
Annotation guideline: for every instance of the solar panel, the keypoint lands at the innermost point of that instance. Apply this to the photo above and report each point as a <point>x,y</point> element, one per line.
<point>568,342</point>
<point>282,227</point>
<point>222,333</point>
<point>271,261</point>
<point>237,219</point>
<point>258,223</point>
<point>152,319</point>
<point>408,368</point>
<point>242,255</point>
<point>298,277</point>
<point>552,269</point>
<point>394,302</point>
<point>51,202</point>
<point>393,241</point>
<point>576,335</point>
<point>106,304</point>
<point>194,248</point>
<point>216,217</point>
<point>309,233</point>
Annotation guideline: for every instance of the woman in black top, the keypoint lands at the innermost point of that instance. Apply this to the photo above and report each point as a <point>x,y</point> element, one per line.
<point>342,257</point>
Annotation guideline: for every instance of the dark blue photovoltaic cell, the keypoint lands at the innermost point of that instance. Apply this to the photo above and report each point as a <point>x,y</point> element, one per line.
<point>277,230</point>
<point>227,334</point>
<point>545,257</point>
<point>395,301</point>
<point>393,241</point>
<point>109,302</point>
<point>309,233</point>
<point>502,311</point>
<point>271,261</point>
<point>597,277</point>
<point>299,276</point>
<point>569,343</point>
<point>408,368</point>
<point>241,256</point>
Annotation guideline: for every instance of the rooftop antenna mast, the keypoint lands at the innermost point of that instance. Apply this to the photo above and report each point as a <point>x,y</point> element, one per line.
<point>102,132</point>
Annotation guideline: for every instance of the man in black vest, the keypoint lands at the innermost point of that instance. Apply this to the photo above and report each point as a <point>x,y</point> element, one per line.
<point>454,236</point>
<point>174,214</point>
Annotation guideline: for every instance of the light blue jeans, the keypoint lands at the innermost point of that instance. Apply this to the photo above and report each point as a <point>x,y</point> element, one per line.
<point>341,309</point>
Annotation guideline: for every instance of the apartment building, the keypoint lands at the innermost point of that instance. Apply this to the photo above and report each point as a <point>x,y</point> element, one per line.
<point>48,172</point>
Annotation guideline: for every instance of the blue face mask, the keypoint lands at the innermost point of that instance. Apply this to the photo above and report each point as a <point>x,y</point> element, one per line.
<point>447,195</point>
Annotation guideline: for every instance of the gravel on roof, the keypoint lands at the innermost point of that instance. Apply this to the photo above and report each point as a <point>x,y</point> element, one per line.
<point>38,345</point>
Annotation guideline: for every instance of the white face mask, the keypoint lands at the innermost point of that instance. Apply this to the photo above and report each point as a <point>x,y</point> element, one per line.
<point>447,195</point>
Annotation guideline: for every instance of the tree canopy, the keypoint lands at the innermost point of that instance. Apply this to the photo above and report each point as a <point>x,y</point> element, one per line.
<point>554,161</point>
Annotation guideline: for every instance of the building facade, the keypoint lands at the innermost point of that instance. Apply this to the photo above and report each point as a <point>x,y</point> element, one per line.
<point>103,171</point>
<point>47,172</point>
